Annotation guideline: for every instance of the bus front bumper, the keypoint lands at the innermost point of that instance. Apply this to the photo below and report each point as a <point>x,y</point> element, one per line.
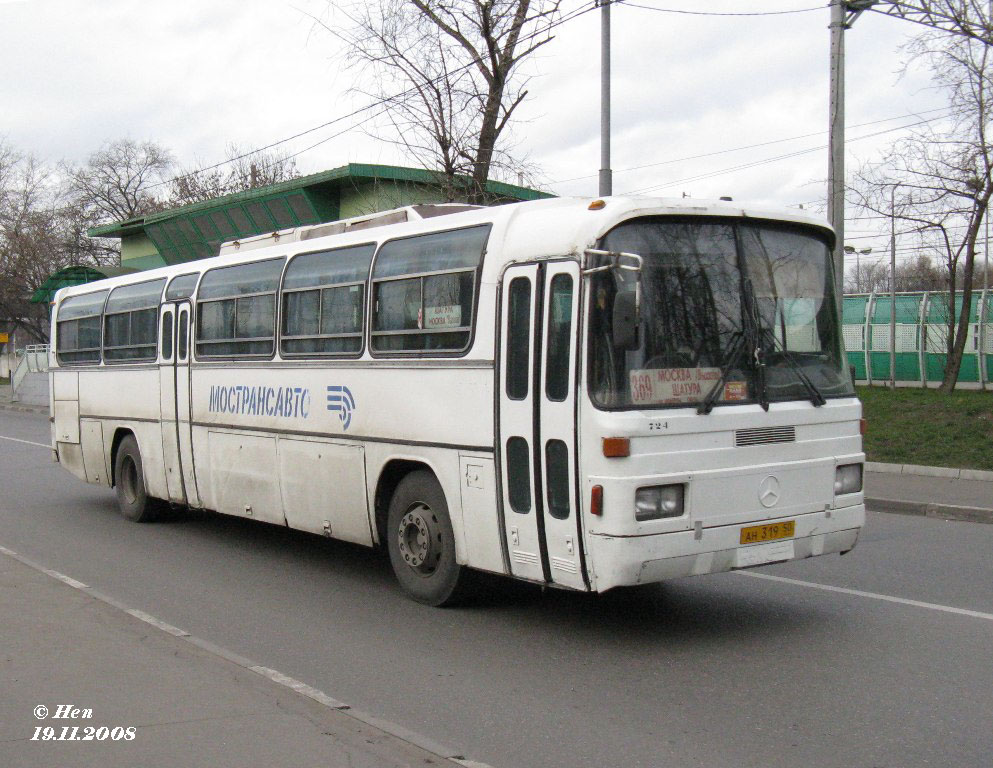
<point>627,560</point>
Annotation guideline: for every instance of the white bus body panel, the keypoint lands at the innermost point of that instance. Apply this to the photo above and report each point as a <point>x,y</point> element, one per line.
<point>723,485</point>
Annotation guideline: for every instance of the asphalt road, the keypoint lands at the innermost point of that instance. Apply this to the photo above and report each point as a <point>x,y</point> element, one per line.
<point>727,670</point>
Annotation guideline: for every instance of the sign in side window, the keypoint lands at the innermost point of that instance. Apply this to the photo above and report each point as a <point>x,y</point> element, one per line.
<point>424,291</point>
<point>130,326</point>
<point>77,329</point>
<point>324,302</point>
<point>236,310</point>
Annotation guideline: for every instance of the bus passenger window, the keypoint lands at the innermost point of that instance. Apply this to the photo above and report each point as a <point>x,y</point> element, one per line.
<point>181,287</point>
<point>424,291</point>
<point>77,329</point>
<point>236,310</point>
<point>130,322</point>
<point>324,302</point>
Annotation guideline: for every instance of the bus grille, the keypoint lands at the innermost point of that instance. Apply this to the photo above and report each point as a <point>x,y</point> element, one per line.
<point>764,435</point>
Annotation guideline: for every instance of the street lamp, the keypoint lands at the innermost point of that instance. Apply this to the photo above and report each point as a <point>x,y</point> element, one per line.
<point>851,249</point>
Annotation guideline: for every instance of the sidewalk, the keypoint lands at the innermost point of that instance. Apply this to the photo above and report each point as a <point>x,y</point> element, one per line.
<point>175,699</point>
<point>919,494</point>
<point>7,402</point>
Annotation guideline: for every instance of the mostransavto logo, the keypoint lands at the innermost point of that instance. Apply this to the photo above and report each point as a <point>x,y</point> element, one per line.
<point>341,401</point>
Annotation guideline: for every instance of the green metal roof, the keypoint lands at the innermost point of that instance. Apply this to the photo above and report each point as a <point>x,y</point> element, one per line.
<point>76,275</point>
<point>195,231</point>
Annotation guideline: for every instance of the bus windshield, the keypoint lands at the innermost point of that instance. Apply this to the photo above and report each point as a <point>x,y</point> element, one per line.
<point>731,311</point>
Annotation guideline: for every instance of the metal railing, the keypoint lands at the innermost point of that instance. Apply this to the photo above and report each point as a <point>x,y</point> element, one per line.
<point>914,350</point>
<point>32,359</point>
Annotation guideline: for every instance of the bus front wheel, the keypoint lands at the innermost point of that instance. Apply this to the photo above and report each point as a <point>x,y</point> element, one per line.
<point>132,498</point>
<point>421,542</point>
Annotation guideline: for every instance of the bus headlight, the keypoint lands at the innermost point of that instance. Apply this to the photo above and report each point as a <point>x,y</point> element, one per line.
<point>658,501</point>
<point>848,479</point>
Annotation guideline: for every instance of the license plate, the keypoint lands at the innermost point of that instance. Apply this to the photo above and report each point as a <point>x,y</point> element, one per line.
<point>755,534</point>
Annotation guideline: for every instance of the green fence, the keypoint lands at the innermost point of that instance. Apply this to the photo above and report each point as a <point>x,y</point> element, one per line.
<point>921,338</point>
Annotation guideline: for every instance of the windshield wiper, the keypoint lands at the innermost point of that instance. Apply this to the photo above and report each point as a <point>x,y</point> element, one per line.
<point>754,330</point>
<point>815,394</point>
<point>737,346</point>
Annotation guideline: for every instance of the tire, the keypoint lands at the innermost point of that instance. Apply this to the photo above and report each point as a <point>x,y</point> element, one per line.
<point>421,542</point>
<point>132,498</point>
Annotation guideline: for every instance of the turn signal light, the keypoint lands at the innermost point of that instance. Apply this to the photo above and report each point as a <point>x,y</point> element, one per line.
<point>596,501</point>
<point>598,205</point>
<point>616,447</point>
<point>862,426</point>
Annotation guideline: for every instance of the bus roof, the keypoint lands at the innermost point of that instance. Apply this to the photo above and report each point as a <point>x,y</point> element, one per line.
<point>554,227</point>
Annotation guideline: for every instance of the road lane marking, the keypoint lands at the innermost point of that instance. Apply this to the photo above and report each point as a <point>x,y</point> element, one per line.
<point>872,595</point>
<point>26,442</point>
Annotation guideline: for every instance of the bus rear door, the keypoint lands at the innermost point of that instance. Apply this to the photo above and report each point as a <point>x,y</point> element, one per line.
<point>174,376</point>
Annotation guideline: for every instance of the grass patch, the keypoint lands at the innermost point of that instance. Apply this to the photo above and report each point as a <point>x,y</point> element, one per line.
<point>923,426</point>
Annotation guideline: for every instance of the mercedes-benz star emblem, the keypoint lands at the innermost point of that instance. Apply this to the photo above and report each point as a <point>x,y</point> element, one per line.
<point>769,491</point>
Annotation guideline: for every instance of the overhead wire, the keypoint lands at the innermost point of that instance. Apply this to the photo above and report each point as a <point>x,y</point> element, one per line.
<point>756,146</point>
<point>766,161</point>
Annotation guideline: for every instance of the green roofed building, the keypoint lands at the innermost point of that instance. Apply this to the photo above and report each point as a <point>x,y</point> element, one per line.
<point>196,231</point>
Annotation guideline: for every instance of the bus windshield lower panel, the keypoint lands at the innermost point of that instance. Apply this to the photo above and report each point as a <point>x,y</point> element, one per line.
<point>731,312</point>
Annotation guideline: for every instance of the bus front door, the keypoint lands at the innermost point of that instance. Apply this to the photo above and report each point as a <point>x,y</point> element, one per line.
<point>537,396</point>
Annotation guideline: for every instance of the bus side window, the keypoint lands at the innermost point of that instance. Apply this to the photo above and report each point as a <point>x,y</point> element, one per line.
<point>77,329</point>
<point>324,302</point>
<point>130,322</point>
<point>236,310</point>
<point>424,291</point>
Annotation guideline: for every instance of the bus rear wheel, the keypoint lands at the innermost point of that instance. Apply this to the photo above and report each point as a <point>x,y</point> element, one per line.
<point>133,500</point>
<point>421,541</point>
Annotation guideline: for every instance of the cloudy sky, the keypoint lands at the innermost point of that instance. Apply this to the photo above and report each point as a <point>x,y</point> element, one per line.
<point>705,105</point>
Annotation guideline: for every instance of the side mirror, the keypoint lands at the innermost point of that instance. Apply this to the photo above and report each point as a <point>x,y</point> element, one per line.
<point>625,320</point>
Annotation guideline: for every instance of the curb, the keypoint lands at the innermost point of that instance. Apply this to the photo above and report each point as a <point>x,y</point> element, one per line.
<point>17,408</point>
<point>938,511</point>
<point>917,469</point>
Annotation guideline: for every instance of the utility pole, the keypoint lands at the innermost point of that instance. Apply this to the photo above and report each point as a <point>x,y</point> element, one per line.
<point>843,15</point>
<point>836,142</point>
<point>606,178</point>
<point>893,287</point>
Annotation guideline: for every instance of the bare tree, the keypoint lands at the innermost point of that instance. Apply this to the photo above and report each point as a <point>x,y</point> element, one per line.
<point>241,171</point>
<point>117,182</point>
<point>30,239</point>
<point>448,75</point>
<point>937,182</point>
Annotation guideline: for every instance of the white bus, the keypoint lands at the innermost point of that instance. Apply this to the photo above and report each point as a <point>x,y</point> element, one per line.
<point>583,394</point>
